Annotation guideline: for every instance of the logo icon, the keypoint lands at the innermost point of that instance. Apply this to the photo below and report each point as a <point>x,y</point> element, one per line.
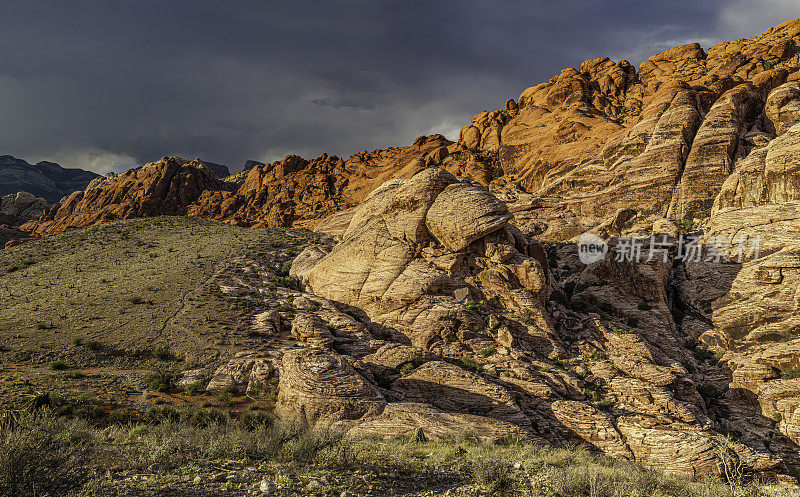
<point>591,248</point>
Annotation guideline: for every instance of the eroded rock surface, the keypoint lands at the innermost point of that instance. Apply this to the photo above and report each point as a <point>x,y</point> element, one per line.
<point>18,208</point>
<point>470,330</point>
<point>165,187</point>
<point>324,387</point>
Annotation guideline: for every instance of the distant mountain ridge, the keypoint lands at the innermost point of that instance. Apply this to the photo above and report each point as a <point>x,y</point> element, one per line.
<point>43,179</point>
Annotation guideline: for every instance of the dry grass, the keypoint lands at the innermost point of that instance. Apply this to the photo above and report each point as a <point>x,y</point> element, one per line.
<point>54,455</point>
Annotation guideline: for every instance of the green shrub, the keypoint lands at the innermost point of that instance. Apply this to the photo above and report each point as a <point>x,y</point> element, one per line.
<point>224,398</point>
<point>470,364</point>
<point>42,456</point>
<point>526,318</point>
<point>194,388</point>
<point>163,354</point>
<point>703,354</point>
<point>287,282</point>
<point>791,374</point>
<point>93,345</point>
<point>58,365</point>
<point>475,305</point>
<point>159,381</point>
<point>497,172</point>
<point>406,369</point>
<point>605,404</point>
<point>285,308</point>
<point>138,431</point>
<point>208,417</point>
<point>618,330</point>
<point>161,414</point>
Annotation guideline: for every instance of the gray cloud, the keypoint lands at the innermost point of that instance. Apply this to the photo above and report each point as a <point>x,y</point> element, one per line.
<point>101,85</point>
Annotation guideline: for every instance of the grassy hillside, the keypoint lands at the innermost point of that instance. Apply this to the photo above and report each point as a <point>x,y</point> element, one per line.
<point>121,294</point>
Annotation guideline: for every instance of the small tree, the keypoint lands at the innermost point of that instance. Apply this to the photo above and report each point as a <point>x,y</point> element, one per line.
<point>731,465</point>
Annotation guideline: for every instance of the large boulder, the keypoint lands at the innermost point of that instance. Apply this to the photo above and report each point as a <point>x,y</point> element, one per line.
<point>18,208</point>
<point>323,386</point>
<point>450,388</point>
<point>405,255</point>
<point>782,110</point>
<point>463,213</point>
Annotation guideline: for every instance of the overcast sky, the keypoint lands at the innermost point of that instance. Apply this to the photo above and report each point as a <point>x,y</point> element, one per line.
<point>109,84</point>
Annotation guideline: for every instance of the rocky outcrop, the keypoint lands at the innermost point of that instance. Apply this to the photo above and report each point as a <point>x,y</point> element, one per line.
<point>463,300</point>
<point>299,192</point>
<point>218,170</point>
<point>408,418</point>
<point>291,192</point>
<point>245,373</point>
<point>392,264</point>
<point>602,147</point>
<point>436,308</point>
<point>44,179</point>
<point>607,147</point>
<point>166,187</point>
<point>452,389</point>
<point>16,209</point>
<point>782,110</point>
<point>323,386</point>
<point>715,148</point>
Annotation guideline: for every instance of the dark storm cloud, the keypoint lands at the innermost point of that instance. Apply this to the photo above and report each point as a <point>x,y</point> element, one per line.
<point>107,84</point>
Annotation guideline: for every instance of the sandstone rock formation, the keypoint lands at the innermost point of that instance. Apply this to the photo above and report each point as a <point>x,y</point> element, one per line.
<point>158,188</point>
<point>606,147</point>
<point>603,146</point>
<point>290,192</point>
<point>16,209</point>
<point>246,373</point>
<point>472,332</point>
<point>325,387</point>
